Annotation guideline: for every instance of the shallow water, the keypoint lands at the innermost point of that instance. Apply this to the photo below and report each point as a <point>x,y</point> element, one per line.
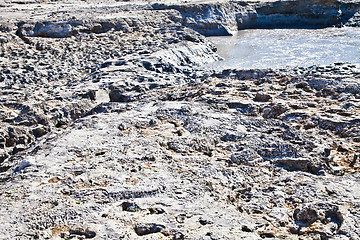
<point>277,48</point>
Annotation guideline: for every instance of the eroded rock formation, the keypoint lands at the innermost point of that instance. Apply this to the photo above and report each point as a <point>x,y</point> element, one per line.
<point>112,129</point>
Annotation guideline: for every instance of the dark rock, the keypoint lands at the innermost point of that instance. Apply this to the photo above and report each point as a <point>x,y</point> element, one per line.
<point>342,149</point>
<point>60,123</point>
<point>156,210</point>
<point>333,214</point>
<point>173,234</point>
<point>18,148</point>
<point>142,229</point>
<point>267,235</point>
<point>79,171</point>
<point>300,14</point>
<point>118,95</point>
<point>177,147</point>
<point>245,228</point>
<point>262,97</point>
<point>3,39</point>
<point>222,84</point>
<point>302,85</point>
<point>100,153</point>
<point>83,232</point>
<point>305,216</point>
<point>9,142</point>
<point>130,207</point>
<point>294,229</point>
<point>3,156</point>
<point>244,107</point>
<point>39,132</point>
<point>122,127</point>
<point>309,125</point>
<point>91,94</point>
<point>148,158</point>
<point>205,221</point>
<point>352,164</point>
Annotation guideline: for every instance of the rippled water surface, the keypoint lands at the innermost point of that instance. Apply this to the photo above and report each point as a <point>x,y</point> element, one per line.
<point>276,48</point>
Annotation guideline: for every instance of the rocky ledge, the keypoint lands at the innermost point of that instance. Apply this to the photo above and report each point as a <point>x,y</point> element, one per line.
<point>112,129</point>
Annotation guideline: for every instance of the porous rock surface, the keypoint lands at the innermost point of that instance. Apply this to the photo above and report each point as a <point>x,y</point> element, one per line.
<point>112,129</point>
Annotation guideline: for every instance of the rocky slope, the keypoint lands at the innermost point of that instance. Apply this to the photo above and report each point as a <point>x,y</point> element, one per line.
<point>111,129</point>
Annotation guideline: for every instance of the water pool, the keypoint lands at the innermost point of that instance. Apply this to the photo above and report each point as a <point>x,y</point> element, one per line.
<point>277,48</point>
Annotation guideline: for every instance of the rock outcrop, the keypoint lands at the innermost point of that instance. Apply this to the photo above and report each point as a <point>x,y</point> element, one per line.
<point>221,19</point>
<point>112,129</point>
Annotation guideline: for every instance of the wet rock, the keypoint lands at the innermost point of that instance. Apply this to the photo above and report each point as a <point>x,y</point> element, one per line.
<point>53,29</point>
<point>142,229</point>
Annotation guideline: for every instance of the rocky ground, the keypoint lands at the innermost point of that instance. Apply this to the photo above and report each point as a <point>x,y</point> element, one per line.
<point>111,128</point>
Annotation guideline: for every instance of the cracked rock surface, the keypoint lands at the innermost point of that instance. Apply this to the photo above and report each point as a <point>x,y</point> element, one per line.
<point>111,128</point>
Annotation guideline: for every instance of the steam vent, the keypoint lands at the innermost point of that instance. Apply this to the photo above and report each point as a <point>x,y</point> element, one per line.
<point>180,119</point>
